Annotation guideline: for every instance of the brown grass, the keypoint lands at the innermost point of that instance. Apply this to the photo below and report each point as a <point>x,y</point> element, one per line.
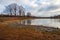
<point>16,33</point>
<point>26,33</point>
<point>2,19</point>
<point>9,18</point>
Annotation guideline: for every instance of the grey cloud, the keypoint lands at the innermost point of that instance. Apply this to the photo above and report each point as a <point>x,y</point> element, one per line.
<point>49,8</point>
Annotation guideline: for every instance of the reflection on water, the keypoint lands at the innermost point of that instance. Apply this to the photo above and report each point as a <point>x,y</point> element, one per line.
<point>26,22</point>
<point>44,22</point>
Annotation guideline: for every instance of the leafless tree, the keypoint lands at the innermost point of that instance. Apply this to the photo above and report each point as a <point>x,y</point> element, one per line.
<point>12,9</point>
<point>21,11</point>
<point>28,14</point>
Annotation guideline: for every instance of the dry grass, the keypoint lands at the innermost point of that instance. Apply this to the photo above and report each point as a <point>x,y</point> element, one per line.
<point>26,33</point>
<point>2,19</point>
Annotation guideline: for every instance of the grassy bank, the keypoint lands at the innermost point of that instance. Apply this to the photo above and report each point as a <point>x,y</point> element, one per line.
<point>10,30</point>
<point>2,19</point>
<point>26,33</point>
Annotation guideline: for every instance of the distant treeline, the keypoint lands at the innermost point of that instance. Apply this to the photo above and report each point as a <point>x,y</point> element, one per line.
<point>30,16</point>
<point>10,16</point>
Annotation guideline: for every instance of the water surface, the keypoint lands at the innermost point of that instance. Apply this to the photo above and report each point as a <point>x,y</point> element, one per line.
<point>44,22</point>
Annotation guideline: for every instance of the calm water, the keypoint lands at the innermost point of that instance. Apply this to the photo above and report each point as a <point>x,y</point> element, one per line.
<point>44,22</point>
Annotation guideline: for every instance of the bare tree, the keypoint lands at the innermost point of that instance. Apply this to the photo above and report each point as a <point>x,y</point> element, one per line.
<point>15,9</point>
<point>12,8</point>
<point>21,11</point>
<point>28,14</point>
<point>9,9</point>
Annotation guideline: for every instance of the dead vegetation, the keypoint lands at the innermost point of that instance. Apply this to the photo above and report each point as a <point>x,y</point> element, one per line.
<point>26,33</point>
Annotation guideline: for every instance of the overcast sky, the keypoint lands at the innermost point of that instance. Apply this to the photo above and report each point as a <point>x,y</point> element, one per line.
<point>36,7</point>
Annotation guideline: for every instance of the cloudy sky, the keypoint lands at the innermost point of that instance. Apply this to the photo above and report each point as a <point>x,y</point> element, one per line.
<point>36,7</point>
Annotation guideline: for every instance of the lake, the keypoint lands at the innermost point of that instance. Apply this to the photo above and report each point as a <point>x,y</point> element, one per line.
<point>45,22</point>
